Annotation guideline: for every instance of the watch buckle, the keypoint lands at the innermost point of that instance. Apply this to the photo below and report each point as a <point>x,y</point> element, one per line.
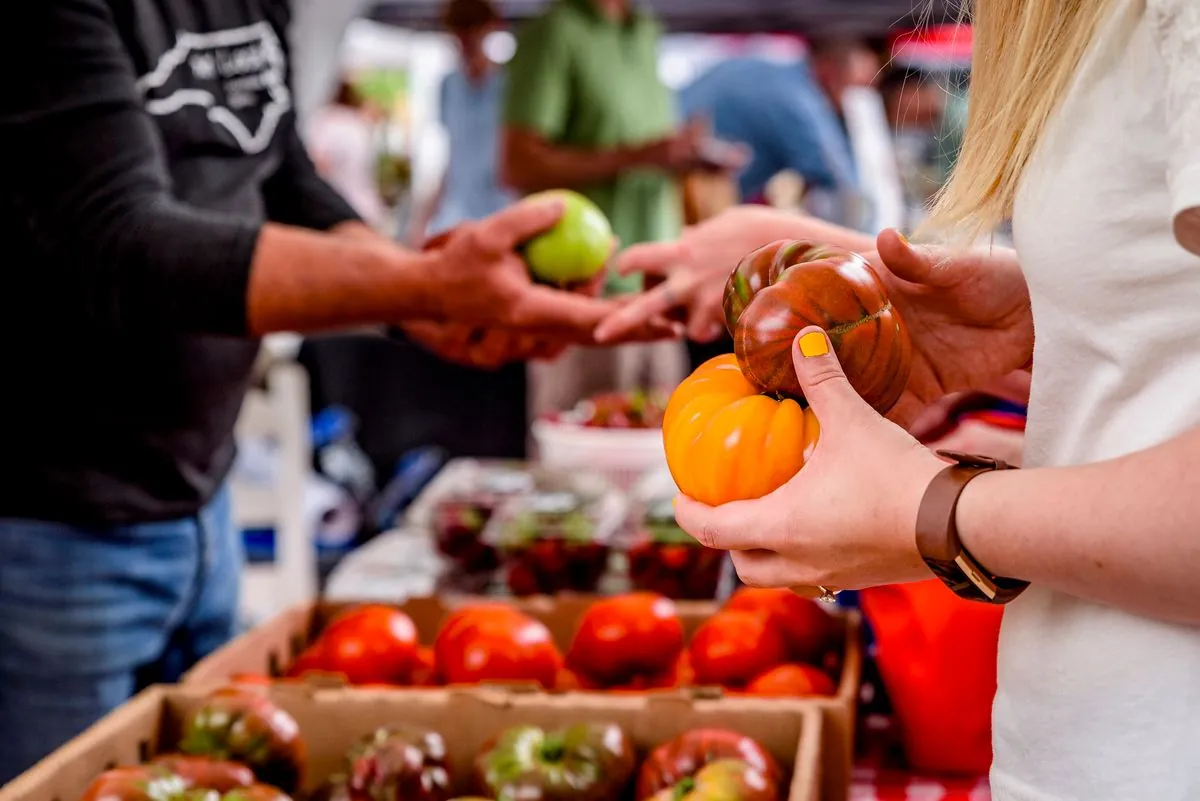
<point>972,460</point>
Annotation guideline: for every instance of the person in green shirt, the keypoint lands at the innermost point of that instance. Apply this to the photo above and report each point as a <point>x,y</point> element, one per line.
<point>585,109</point>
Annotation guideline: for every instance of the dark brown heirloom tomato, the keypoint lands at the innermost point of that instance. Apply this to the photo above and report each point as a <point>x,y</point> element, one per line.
<point>584,762</point>
<point>398,763</point>
<point>789,285</point>
<point>241,724</point>
<point>722,780</point>
<point>206,773</point>
<point>136,783</point>
<point>676,760</point>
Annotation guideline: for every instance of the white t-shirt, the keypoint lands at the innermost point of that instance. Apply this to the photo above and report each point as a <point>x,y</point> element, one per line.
<point>1095,704</point>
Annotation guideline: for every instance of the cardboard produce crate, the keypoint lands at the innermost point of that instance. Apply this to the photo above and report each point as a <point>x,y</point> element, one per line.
<point>331,720</point>
<point>269,649</point>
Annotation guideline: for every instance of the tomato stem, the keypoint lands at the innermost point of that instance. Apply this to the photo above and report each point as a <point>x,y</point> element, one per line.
<point>684,788</point>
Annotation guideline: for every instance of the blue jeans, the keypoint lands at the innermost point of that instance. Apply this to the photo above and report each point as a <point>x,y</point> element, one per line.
<point>90,616</point>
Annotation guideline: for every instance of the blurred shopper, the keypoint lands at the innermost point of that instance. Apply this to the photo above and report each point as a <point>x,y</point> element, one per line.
<point>1084,131</point>
<point>470,106</point>
<point>586,110</point>
<point>342,140</point>
<point>783,115</point>
<point>159,213</point>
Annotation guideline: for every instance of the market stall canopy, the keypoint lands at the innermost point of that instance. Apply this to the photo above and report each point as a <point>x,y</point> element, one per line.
<point>863,17</point>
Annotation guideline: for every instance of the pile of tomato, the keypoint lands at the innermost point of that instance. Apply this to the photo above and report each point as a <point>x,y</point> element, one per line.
<point>240,746</point>
<point>762,641</point>
<point>236,746</point>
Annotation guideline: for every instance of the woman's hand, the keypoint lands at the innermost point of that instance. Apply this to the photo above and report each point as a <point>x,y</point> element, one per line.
<point>967,313</point>
<point>847,520</point>
<point>687,277</point>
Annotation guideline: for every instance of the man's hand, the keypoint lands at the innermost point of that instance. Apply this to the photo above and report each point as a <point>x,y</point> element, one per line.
<point>485,349</point>
<point>479,281</point>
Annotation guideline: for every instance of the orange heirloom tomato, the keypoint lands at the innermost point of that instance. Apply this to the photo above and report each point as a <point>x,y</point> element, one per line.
<point>727,442</point>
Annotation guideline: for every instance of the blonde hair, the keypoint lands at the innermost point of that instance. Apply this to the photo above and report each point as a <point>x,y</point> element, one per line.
<point>1026,53</point>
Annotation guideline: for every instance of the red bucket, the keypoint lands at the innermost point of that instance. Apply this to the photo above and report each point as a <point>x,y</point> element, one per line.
<point>937,656</point>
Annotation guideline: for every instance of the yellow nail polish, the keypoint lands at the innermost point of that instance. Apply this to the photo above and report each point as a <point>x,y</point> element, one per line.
<point>902,238</point>
<point>814,343</point>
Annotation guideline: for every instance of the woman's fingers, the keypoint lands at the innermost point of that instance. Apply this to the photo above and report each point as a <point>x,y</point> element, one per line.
<point>737,526</point>
<point>904,260</point>
<point>655,258</point>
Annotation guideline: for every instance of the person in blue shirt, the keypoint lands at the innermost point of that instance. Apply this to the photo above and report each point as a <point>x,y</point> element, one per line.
<point>787,113</point>
<point>469,105</point>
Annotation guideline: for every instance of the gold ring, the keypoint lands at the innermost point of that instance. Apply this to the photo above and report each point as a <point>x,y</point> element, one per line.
<point>827,596</point>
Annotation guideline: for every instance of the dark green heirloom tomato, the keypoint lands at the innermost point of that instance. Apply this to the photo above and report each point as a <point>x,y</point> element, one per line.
<point>584,762</point>
<point>206,773</point>
<point>242,725</point>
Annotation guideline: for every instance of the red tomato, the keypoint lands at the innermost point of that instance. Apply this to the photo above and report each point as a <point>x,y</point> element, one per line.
<point>677,675</point>
<point>425,672</point>
<point>569,680</point>
<point>500,646</point>
<point>731,648</point>
<point>369,645</point>
<point>310,659</point>
<point>618,638</point>
<point>464,615</point>
<point>806,627</point>
<point>795,681</point>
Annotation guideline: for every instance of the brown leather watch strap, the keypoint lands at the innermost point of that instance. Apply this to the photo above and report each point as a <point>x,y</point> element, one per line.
<point>937,533</point>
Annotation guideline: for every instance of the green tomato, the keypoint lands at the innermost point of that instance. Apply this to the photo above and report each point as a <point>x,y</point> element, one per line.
<point>576,247</point>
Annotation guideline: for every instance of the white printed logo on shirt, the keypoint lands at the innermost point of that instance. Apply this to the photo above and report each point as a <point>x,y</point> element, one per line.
<point>237,75</point>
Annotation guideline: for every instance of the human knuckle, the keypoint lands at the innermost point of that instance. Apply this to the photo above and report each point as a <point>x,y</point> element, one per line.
<point>709,536</point>
<point>825,374</point>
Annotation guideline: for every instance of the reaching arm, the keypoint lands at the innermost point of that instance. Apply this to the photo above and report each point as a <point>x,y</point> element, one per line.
<point>1120,532</point>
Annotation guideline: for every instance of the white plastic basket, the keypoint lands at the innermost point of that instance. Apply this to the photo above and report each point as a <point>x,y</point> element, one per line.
<point>623,456</point>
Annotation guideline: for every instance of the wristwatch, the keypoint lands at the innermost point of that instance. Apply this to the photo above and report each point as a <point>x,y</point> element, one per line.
<point>937,533</point>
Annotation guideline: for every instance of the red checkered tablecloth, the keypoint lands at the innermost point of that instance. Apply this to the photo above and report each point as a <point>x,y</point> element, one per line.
<point>871,784</point>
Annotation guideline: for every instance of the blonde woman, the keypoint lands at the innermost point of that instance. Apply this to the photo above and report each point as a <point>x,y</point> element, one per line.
<point>1085,130</point>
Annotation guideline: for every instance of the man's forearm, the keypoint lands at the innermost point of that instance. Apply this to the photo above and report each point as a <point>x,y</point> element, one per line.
<point>308,281</point>
<point>1121,532</point>
<point>530,164</point>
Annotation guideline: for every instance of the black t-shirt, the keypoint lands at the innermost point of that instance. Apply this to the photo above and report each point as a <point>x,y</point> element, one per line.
<point>142,145</point>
